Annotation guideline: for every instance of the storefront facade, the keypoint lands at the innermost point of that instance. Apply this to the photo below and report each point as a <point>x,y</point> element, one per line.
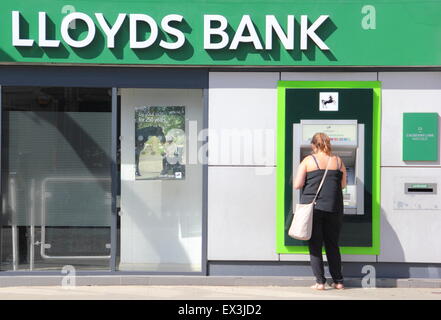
<point>160,137</point>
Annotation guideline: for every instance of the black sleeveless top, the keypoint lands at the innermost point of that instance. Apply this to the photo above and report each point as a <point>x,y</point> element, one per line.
<point>330,198</point>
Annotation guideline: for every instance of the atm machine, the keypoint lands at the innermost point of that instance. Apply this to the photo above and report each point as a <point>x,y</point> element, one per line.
<point>347,140</point>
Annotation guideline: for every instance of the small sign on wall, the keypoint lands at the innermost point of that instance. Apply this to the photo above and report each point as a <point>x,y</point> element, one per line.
<point>420,136</point>
<point>328,101</point>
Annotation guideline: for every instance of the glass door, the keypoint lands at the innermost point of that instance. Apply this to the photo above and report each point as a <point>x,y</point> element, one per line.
<point>56,178</point>
<point>161,180</point>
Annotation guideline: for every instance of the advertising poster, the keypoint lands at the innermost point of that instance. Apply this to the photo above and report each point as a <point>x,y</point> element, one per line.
<point>160,143</point>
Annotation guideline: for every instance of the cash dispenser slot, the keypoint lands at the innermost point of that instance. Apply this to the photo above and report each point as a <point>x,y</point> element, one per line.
<point>420,188</point>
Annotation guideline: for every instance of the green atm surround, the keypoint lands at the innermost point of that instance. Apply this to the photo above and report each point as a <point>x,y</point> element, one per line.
<point>281,186</point>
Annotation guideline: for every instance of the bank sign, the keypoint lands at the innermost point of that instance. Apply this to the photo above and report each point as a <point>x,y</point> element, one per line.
<point>242,33</point>
<point>246,31</point>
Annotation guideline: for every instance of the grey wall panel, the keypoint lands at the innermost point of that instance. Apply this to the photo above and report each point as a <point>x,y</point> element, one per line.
<point>344,258</point>
<point>241,214</point>
<point>92,76</point>
<point>302,269</point>
<point>410,80</point>
<point>405,92</point>
<point>329,76</point>
<point>242,118</point>
<point>410,224</point>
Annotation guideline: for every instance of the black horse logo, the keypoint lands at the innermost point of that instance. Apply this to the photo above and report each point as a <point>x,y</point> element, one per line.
<point>141,137</point>
<point>330,100</point>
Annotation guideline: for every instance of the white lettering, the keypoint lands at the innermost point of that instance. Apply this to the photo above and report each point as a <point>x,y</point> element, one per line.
<point>190,310</point>
<point>110,31</point>
<point>165,25</point>
<point>134,19</point>
<point>42,41</point>
<point>219,31</point>
<point>65,25</point>
<point>246,23</point>
<point>286,39</point>
<point>306,32</point>
<point>215,31</point>
<point>16,40</point>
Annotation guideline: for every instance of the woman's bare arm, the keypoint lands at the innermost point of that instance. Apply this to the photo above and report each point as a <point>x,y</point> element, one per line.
<point>344,178</point>
<point>299,181</point>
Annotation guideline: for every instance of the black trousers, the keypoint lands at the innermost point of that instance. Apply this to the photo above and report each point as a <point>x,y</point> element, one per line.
<point>326,228</point>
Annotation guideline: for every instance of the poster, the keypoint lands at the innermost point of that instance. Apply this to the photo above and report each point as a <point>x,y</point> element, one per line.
<point>160,143</point>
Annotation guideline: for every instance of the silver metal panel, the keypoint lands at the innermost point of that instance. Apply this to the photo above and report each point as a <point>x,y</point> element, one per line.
<point>410,224</point>
<point>360,159</point>
<point>296,157</point>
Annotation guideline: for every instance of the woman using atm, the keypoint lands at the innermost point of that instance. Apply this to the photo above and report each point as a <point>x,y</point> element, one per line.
<point>328,211</point>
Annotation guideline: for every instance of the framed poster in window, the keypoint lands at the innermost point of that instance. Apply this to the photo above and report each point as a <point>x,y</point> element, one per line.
<point>160,143</point>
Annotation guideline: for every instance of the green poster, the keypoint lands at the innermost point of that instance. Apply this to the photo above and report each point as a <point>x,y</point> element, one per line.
<point>420,136</point>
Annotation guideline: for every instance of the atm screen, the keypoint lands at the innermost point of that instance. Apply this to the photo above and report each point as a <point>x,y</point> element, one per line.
<point>346,133</point>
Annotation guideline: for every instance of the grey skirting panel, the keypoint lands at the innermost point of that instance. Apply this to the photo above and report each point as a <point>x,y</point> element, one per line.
<point>303,269</point>
<point>118,280</point>
<point>96,76</point>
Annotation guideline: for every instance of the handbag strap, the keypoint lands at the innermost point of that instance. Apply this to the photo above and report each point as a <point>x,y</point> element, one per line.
<point>321,182</point>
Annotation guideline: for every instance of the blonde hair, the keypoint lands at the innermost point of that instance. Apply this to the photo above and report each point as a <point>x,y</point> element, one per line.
<point>322,142</point>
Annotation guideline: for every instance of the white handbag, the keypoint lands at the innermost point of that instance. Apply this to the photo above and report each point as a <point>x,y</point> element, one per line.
<point>301,225</point>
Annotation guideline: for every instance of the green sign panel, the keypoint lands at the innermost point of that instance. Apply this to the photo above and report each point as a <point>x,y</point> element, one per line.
<point>223,33</point>
<point>420,136</point>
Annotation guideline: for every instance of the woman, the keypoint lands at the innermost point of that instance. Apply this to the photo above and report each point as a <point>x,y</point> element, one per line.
<point>328,211</point>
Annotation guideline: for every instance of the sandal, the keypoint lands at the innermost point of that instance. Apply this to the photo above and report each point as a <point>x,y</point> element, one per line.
<point>338,286</point>
<point>318,286</point>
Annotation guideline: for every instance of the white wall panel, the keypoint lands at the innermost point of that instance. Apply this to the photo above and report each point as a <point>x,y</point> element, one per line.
<point>405,92</point>
<point>241,214</point>
<point>242,118</point>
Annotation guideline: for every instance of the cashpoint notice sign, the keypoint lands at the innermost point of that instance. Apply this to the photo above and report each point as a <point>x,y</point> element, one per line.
<point>420,136</point>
